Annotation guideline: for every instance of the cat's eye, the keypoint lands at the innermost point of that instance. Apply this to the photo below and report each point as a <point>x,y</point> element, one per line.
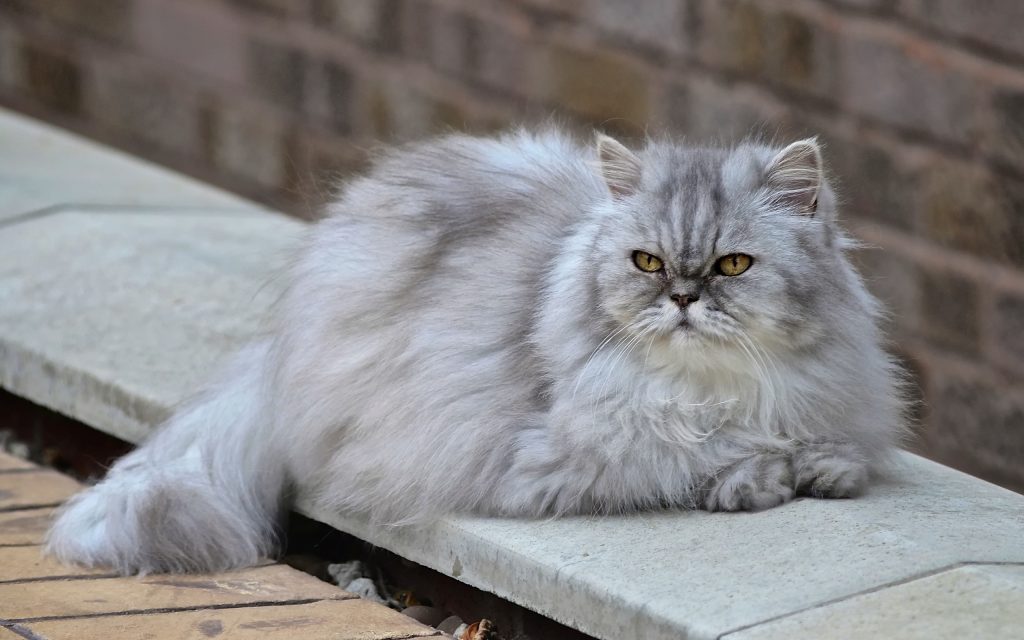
<point>734,264</point>
<point>647,262</point>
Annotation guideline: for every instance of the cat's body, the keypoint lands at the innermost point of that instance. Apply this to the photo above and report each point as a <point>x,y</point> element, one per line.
<point>477,326</point>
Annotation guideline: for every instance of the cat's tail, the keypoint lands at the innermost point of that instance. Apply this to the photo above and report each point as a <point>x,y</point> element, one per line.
<point>202,495</point>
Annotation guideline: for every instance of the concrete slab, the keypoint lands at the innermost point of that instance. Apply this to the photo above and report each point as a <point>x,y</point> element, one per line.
<point>701,575</point>
<point>945,605</point>
<point>114,317</point>
<point>42,166</point>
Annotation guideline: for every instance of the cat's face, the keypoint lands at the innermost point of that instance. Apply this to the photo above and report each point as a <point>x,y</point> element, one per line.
<point>715,247</point>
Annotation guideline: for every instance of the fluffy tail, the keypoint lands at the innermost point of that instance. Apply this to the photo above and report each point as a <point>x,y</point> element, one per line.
<point>202,495</point>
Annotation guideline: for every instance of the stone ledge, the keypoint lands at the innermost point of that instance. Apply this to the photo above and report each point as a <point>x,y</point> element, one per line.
<point>181,291</point>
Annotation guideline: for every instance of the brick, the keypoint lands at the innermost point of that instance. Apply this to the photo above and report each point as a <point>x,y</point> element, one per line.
<point>9,462</point>
<point>974,425</point>
<point>708,112</point>
<point>249,143</point>
<point>197,38</point>
<point>963,207</point>
<point>505,57</point>
<point>992,23</point>
<point>662,24</point>
<point>52,78</point>
<point>802,54</point>
<point>27,526</point>
<point>29,563</point>
<point>106,19</point>
<point>1007,321</point>
<point>733,36</point>
<point>140,101</point>
<point>872,182</point>
<point>327,620</point>
<point>274,8</point>
<point>905,85</point>
<point>278,72</point>
<point>1006,139</point>
<point>394,109</point>
<point>10,56</point>
<point>269,584</point>
<point>881,6</point>
<point>34,489</point>
<point>602,87</point>
<point>373,23</point>
<point>949,310</point>
<point>894,279</point>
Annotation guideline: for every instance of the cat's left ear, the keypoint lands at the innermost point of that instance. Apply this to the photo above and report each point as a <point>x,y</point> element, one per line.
<point>795,176</point>
<point>620,167</point>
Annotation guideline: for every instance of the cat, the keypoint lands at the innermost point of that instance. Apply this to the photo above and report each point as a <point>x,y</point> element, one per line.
<point>530,324</point>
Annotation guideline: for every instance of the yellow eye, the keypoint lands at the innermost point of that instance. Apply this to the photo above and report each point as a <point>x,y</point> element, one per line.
<point>646,262</point>
<point>734,264</point>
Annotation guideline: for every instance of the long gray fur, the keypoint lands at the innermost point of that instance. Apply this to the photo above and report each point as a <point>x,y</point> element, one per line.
<point>466,332</point>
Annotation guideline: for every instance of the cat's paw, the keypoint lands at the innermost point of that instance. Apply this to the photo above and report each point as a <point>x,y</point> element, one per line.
<point>760,482</point>
<point>830,471</point>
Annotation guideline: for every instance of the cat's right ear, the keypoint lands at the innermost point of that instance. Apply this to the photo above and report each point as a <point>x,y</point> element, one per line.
<point>620,167</point>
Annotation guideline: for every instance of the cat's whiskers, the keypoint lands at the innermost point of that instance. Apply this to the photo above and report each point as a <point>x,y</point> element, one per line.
<point>583,371</point>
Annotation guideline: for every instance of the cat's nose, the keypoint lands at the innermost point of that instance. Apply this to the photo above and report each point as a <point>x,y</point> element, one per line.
<point>685,300</point>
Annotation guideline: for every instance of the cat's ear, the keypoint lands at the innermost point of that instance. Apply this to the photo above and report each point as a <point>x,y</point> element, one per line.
<point>620,167</point>
<point>795,176</point>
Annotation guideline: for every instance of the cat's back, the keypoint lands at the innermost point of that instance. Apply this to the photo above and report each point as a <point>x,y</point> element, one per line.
<point>461,184</point>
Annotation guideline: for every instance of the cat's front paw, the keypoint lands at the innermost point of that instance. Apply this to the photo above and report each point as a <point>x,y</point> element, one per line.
<point>830,471</point>
<point>760,482</point>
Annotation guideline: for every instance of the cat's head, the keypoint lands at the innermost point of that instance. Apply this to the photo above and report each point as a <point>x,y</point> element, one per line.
<point>718,247</point>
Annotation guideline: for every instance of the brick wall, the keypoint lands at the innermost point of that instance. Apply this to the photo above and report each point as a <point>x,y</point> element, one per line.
<point>920,103</point>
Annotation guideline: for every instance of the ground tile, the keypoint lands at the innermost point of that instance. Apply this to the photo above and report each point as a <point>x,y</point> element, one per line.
<point>35,489</point>
<point>29,563</point>
<point>26,526</point>
<point>9,462</point>
<point>69,598</point>
<point>326,620</point>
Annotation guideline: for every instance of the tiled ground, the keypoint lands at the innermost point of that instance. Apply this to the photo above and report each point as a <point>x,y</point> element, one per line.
<point>41,599</point>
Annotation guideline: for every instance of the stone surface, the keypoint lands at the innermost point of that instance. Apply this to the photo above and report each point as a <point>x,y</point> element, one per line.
<point>31,489</point>
<point>28,563</point>
<point>27,526</point>
<point>944,605</point>
<point>52,167</point>
<point>630,577</point>
<point>325,620</point>
<point>113,317</point>
<point>31,600</point>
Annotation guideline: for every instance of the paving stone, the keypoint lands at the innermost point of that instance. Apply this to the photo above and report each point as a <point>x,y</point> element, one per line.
<point>29,563</point>
<point>939,606</point>
<point>34,489</point>
<point>64,598</point>
<point>53,167</point>
<point>105,311</point>
<point>9,463</point>
<point>327,620</point>
<point>699,575</point>
<point>27,526</point>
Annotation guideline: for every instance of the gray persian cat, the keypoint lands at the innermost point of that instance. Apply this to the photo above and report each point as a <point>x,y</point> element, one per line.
<point>524,326</point>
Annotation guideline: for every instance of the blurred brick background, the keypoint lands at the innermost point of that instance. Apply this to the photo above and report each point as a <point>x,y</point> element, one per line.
<point>921,104</point>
